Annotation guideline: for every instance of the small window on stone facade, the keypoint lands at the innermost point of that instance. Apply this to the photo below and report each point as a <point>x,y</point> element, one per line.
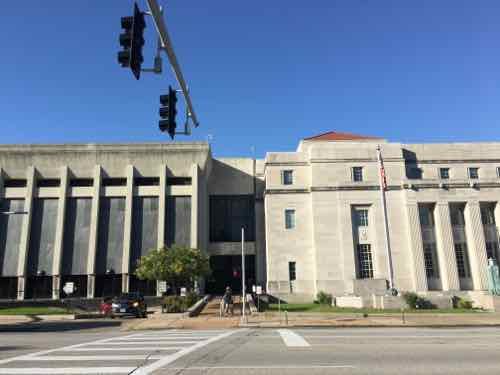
<point>362,218</point>
<point>291,271</point>
<point>473,173</point>
<point>357,174</point>
<point>365,263</point>
<point>461,255</point>
<point>287,177</point>
<point>430,265</point>
<point>444,173</point>
<point>289,219</point>
<point>498,172</point>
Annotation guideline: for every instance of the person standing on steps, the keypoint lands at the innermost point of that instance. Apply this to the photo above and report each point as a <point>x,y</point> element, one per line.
<point>228,301</point>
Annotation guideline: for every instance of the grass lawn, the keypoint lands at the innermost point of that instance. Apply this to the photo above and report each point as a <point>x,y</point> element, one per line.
<point>317,308</point>
<point>33,311</point>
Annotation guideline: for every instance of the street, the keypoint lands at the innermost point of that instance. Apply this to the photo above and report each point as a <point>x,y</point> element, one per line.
<point>107,350</point>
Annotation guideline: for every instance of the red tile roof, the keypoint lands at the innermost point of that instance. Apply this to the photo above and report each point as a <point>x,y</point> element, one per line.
<point>339,136</point>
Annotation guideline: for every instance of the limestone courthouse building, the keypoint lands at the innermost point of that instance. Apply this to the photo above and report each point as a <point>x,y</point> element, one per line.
<point>314,218</point>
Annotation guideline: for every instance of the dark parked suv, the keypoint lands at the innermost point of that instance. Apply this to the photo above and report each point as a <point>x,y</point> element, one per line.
<point>129,304</point>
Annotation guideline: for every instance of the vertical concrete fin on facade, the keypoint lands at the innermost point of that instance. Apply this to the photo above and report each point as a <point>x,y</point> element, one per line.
<point>162,204</point>
<point>416,245</point>
<point>94,225</point>
<point>59,237</point>
<point>25,231</point>
<point>477,245</point>
<point>194,205</point>
<point>445,247</point>
<point>129,201</point>
<point>162,198</point>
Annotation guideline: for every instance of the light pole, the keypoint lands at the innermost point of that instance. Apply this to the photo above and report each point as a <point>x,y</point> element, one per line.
<point>243,286</point>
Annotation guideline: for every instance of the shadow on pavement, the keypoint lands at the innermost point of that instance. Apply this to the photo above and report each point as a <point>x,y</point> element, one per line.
<point>58,326</point>
<point>12,348</point>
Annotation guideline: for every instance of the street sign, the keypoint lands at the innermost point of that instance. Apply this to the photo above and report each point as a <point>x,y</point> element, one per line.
<point>259,290</point>
<point>69,288</point>
<point>183,292</point>
<point>162,286</point>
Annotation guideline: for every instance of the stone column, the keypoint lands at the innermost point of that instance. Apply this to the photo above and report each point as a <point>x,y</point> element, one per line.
<point>58,243</point>
<point>347,245</point>
<point>446,248</point>
<point>127,235</point>
<point>476,245</point>
<point>162,204</point>
<point>94,229</point>
<point>417,248</point>
<point>25,231</point>
<point>194,206</point>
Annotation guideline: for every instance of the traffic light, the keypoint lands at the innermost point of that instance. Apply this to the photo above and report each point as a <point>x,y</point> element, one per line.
<point>132,41</point>
<point>168,112</point>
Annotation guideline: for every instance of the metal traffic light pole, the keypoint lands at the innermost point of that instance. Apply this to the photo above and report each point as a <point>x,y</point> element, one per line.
<point>166,44</point>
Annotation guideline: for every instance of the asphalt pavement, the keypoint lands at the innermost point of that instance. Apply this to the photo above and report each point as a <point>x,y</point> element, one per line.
<point>290,351</point>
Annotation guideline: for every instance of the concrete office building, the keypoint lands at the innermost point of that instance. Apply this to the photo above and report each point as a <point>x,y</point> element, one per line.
<point>313,218</point>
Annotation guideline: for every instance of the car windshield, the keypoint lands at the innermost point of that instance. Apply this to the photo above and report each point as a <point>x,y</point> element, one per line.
<point>129,296</point>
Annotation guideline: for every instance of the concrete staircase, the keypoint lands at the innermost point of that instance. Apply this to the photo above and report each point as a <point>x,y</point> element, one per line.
<point>213,307</point>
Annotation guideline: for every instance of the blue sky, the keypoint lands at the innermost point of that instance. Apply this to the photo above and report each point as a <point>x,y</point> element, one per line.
<point>262,73</point>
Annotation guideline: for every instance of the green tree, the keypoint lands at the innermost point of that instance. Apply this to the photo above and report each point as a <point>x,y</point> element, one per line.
<point>178,266</point>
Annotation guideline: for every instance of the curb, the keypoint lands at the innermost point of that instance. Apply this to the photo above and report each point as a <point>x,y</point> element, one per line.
<point>374,326</point>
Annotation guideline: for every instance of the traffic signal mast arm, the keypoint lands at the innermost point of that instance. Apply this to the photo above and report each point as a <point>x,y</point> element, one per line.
<point>166,43</point>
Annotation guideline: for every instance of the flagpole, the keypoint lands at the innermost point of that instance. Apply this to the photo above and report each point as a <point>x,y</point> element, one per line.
<point>383,187</point>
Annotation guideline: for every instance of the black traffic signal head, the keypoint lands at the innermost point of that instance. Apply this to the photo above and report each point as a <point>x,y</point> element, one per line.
<point>132,41</point>
<point>167,112</point>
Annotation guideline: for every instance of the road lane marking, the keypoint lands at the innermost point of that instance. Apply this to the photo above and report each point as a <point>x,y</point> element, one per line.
<point>20,358</point>
<point>258,367</point>
<point>139,343</point>
<point>195,339</point>
<point>148,349</point>
<point>396,336</point>
<point>68,370</point>
<point>171,358</point>
<point>292,339</point>
<point>92,358</point>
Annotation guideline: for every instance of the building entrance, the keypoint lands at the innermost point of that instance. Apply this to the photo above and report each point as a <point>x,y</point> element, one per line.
<point>226,271</point>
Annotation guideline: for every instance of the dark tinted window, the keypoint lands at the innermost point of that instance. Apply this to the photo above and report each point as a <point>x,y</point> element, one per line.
<point>228,214</point>
<point>147,181</point>
<point>85,182</point>
<point>178,180</point>
<point>15,182</point>
<point>49,182</point>
<point>114,182</point>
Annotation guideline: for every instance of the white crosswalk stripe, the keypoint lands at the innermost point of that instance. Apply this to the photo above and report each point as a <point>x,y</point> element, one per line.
<point>293,339</point>
<point>121,355</point>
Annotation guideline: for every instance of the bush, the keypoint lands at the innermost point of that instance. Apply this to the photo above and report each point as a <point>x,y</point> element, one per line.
<point>460,303</point>
<point>324,298</point>
<point>415,302</point>
<point>191,299</point>
<point>178,304</point>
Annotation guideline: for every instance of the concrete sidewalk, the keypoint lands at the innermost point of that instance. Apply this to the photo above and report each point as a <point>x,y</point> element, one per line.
<point>270,320</point>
